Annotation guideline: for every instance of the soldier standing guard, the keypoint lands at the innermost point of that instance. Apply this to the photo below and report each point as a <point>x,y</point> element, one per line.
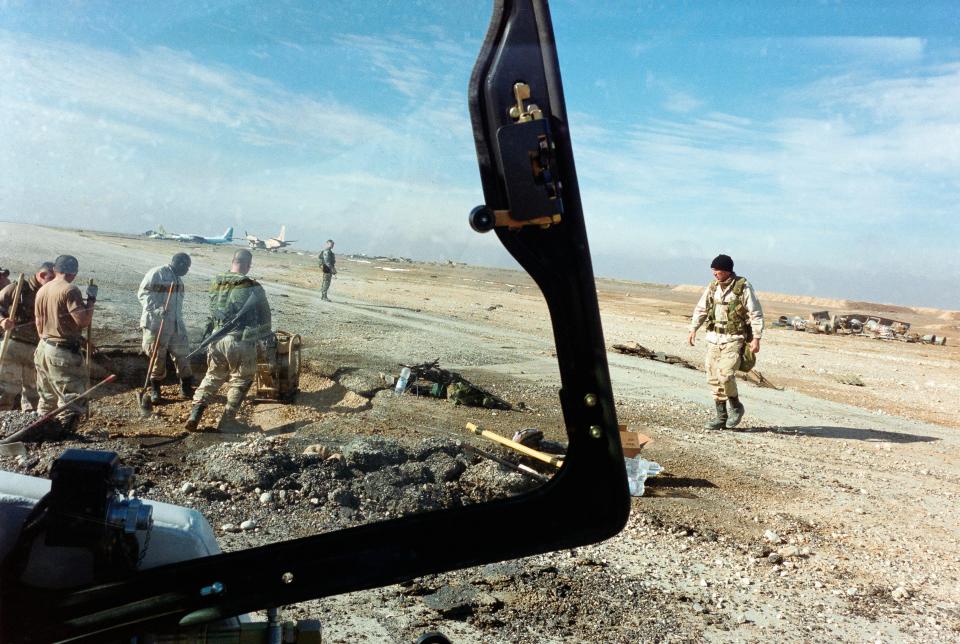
<point>328,264</point>
<point>18,374</point>
<point>152,294</point>
<point>734,317</point>
<point>234,356</point>
<point>61,315</point>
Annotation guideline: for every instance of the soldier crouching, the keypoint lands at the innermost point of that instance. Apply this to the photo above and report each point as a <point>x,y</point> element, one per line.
<point>239,303</point>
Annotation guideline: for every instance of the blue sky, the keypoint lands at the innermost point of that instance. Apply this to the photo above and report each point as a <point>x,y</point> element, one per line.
<point>816,143</point>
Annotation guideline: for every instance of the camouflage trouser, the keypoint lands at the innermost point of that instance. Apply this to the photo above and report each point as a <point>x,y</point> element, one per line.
<point>722,362</point>
<point>18,375</point>
<point>228,359</point>
<point>61,375</point>
<point>174,341</point>
<point>325,284</point>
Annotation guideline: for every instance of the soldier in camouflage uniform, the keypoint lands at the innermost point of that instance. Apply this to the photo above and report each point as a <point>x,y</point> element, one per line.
<point>734,318</point>
<point>233,357</point>
<point>328,265</point>
<point>18,374</point>
<point>152,295</point>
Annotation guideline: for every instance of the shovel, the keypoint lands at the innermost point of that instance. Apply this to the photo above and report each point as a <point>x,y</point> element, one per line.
<point>18,436</point>
<point>89,357</point>
<point>15,303</point>
<point>146,405</point>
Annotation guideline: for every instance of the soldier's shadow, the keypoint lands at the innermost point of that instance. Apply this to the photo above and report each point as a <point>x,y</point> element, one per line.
<point>845,433</point>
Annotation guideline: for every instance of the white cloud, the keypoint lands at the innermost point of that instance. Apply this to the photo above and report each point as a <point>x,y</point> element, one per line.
<point>171,93</point>
<point>844,176</point>
<point>875,48</point>
<point>681,102</point>
<point>407,64</point>
<point>126,141</point>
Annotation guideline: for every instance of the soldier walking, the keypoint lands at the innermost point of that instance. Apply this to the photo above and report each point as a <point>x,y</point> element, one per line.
<point>734,318</point>
<point>233,296</point>
<point>18,374</point>
<point>152,294</point>
<point>328,265</point>
<point>61,315</point>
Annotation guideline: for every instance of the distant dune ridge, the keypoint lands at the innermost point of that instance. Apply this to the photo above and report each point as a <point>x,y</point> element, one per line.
<point>840,305</point>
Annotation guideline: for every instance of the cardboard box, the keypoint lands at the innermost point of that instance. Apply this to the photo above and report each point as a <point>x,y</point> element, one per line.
<point>633,442</point>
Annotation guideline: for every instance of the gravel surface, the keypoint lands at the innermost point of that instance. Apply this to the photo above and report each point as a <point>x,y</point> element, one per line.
<point>831,515</point>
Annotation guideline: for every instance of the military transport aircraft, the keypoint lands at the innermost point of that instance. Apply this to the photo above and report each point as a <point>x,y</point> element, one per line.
<point>225,238</point>
<point>269,244</point>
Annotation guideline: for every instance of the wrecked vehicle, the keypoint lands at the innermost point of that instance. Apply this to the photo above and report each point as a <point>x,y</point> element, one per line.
<point>859,324</point>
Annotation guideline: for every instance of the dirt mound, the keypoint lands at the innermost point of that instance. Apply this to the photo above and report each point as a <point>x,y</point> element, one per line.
<point>880,308</point>
<point>364,479</point>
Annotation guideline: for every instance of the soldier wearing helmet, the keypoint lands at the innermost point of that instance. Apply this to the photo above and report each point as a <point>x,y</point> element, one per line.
<point>232,359</point>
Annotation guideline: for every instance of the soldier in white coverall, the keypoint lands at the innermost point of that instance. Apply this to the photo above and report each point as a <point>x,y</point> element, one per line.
<point>173,338</point>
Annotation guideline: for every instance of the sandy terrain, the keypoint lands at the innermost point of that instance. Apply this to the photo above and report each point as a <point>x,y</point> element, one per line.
<point>832,513</point>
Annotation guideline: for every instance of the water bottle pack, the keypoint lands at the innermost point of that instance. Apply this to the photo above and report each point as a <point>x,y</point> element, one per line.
<point>638,471</point>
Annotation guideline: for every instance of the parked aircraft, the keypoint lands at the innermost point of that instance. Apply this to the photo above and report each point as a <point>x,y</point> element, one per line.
<point>159,233</point>
<point>269,244</point>
<point>226,238</point>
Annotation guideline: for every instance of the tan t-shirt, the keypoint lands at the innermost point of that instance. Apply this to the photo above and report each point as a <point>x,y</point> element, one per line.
<point>55,301</point>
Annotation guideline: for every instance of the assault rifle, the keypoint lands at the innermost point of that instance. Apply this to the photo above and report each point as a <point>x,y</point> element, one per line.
<point>227,327</point>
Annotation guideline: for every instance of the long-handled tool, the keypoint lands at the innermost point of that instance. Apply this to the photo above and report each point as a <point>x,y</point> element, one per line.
<point>529,472</point>
<point>14,305</point>
<point>89,358</point>
<point>552,459</point>
<point>13,438</point>
<point>146,405</point>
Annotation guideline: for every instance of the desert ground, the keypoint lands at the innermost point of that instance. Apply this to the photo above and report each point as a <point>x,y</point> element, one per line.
<point>830,514</point>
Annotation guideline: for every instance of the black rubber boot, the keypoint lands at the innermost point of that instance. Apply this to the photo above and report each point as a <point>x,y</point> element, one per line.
<point>736,412</point>
<point>721,420</point>
<point>68,423</point>
<point>186,387</point>
<point>155,393</point>
<point>195,415</point>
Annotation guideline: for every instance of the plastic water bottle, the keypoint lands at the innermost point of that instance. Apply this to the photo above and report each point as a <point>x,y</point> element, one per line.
<point>638,471</point>
<point>402,381</point>
<point>636,476</point>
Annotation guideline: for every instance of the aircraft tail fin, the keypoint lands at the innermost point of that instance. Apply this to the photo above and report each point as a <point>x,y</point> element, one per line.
<point>228,236</point>
<point>283,233</point>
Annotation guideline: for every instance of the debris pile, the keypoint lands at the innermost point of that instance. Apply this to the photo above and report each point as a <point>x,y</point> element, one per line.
<point>362,480</point>
<point>12,422</point>
<point>429,379</point>
<point>871,326</point>
<point>634,349</point>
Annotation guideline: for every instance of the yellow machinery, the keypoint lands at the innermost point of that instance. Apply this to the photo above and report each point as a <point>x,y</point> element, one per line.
<point>278,367</point>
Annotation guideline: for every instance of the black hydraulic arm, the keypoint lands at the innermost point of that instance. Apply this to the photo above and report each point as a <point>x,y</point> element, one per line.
<point>532,202</point>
